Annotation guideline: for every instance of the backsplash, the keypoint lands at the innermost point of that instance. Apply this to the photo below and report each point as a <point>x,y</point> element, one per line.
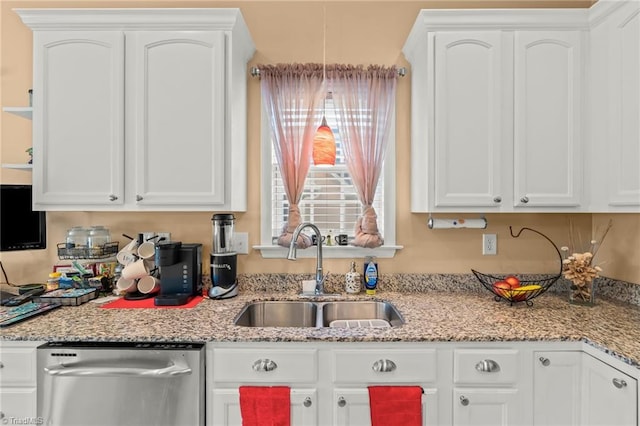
<point>420,283</point>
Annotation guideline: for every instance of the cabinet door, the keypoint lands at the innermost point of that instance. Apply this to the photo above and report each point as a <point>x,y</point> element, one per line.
<point>556,388</point>
<point>78,112</point>
<point>176,119</point>
<point>623,143</point>
<point>610,397</point>
<point>490,407</point>
<point>469,118</point>
<point>548,143</point>
<point>17,405</point>
<point>351,407</point>
<point>225,409</point>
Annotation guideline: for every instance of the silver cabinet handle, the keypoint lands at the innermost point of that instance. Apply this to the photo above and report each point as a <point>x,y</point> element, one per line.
<point>307,402</point>
<point>619,383</point>
<point>544,361</point>
<point>264,365</point>
<point>1,415</point>
<point>342,402</point>
<point>464,401</point>
<point>383,366</point>
<point>139,198</point>
<point>1,365</point>
<point>488,366</point>
<point>112,197</point>
<point>170,370</point>
<point>524,199</point>
<point>497,199</point>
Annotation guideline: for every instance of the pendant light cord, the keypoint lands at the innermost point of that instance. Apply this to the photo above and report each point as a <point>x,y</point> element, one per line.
<point>324,63</point>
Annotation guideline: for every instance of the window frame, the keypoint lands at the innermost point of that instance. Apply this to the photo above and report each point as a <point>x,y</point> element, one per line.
<point>270,250</point>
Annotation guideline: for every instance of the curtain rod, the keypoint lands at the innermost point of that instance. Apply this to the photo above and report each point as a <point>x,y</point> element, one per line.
<point>255,72</point>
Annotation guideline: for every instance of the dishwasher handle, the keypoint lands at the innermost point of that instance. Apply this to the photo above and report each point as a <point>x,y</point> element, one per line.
<point>171,370</point>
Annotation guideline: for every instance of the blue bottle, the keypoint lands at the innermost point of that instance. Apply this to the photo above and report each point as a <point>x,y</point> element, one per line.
<point>370,275</point>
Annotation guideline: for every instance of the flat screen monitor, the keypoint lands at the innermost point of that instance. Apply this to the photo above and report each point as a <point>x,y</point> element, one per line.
<point>21,228</point>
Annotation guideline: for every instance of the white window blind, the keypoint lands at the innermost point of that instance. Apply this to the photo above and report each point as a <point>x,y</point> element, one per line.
<point>329,199</point>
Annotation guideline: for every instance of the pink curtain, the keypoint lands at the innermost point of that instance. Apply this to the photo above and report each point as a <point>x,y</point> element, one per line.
<point>291,95</point>
<point>364,100</point>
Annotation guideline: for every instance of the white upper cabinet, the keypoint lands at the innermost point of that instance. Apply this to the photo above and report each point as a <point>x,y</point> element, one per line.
<point>497,107</point>
<point>547,114</point>
<point>78,121</point>
<point>615,80</point>
<point>177,87</point>
<point>468,140</point>
<point>139,109</point>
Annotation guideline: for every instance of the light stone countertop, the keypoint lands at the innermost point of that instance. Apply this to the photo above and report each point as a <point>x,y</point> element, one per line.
<point>434,316</point>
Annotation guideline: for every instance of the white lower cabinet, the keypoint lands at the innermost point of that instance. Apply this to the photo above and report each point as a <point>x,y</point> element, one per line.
<point>230,367</point>
<point>556,388</point>
<point>610,397</point>
<point>486,406</point>
<point>486,386</point>
<point>464,383</point>
<point>356,369</point>
<point>18,376</point>
<point>226,407</point>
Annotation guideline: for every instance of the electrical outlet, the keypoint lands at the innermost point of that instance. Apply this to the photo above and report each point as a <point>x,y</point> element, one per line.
<point>241,242</point>
<point>489,244</point>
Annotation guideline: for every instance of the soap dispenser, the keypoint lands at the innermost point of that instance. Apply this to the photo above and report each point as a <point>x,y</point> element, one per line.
<point>352,280</point>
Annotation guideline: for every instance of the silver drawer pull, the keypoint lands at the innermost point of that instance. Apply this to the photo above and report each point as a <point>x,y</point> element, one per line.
<point>264,365</point>
<point>544,361</point>
<point>619,383</point>
<point>112,197</point>
<point>464,401</point>
<point>307,402</point>
<point>383,366</point>
<point>342,402</point>
<point>488,366</point>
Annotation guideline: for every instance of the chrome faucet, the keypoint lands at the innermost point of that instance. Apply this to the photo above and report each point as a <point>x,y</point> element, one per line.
<point>319,290</point>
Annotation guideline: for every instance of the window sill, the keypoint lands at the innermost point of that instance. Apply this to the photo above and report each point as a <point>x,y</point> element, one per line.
<point>330,252</point>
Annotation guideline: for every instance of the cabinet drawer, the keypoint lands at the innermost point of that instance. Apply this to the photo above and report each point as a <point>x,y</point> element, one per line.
<point>18,366</point>
<point>483,366</point>
<point>397,366</point>
<point>265,365</point>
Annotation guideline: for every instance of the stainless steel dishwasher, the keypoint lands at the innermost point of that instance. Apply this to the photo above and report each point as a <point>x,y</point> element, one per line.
<point>102,383</point>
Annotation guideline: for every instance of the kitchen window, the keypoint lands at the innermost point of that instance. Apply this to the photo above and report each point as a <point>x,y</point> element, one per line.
<point>329,198</point>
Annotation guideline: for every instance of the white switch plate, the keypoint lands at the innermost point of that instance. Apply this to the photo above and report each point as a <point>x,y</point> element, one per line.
<point>241,242</point>
<point>489,244</point>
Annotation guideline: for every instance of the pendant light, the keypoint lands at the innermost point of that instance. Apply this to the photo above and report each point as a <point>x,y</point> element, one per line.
<point>324,143</point>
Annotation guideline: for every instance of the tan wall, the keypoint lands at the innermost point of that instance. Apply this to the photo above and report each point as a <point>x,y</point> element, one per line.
<point>358,32</point>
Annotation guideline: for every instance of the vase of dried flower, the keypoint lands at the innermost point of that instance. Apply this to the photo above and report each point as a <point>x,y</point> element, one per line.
<point>582,293</point>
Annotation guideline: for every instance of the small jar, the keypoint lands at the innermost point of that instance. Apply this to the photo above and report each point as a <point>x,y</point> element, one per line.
<point>98,237</point>
<point>53,283</point>
<point>77,237</point>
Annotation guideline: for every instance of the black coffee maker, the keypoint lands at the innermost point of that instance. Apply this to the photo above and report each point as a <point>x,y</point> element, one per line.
<point>180,272</point>
<point>223,258</point>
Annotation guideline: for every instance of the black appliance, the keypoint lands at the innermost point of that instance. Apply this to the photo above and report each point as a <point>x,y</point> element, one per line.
<point>180,272</point>
<point>224,284</point>
<point>21,228</point>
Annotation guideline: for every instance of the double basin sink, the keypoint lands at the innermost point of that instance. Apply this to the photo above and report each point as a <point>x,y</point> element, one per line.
<point>343,314</point>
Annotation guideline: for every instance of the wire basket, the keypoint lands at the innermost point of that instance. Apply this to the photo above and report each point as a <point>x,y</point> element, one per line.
<point>103,252</point>
<point>528,289</point>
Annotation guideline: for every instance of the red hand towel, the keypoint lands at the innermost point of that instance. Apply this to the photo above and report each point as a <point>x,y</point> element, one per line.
<point>395,405</point>
<point>265,405</point>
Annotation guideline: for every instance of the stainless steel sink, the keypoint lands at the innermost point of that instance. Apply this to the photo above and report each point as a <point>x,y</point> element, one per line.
<point>319,314</point>
<point>353,311</point>
<point>278,314</point>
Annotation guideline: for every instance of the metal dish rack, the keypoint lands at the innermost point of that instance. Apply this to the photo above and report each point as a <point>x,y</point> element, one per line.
<point>514,295</point>
<point>103,252</point>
